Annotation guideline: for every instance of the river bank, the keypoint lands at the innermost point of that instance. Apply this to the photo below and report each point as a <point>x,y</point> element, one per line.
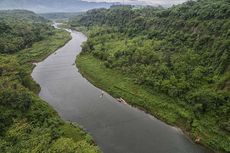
<point>38,52</point>
<point>74,137</point>
<point>34,126</point>
<point>115,127</point>
<point>120,85</point>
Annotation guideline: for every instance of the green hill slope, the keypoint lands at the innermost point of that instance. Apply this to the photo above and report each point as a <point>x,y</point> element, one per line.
<point>180,53</point>
<point>28,124</point>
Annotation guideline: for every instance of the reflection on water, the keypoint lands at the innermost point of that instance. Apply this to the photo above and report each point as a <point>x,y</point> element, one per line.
<point>116,127</point>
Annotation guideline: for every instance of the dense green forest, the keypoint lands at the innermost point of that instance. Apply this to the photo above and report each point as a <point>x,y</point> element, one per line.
<point>28,124</point>
<point>181,54</point>
<point>14,35</point>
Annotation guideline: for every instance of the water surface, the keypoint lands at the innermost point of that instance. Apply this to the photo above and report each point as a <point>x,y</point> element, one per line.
<point>116,127</point>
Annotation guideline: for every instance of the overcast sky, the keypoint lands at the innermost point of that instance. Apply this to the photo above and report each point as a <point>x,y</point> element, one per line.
<point>143,2</point>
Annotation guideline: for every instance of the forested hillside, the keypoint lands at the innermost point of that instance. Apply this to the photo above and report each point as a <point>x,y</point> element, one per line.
<point>28,124</point>
<point>181,53</point>
<point>20,29</point>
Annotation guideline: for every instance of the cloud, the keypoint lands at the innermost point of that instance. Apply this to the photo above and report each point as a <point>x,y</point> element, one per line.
<point>142,2</point>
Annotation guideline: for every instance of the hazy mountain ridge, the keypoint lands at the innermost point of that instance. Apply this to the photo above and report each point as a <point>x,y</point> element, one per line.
<point>51,5</point>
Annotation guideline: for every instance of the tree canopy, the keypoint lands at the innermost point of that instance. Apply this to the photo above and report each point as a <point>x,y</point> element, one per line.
<point>182,52</point>
<point>20,29</point>
<point>28,124</point>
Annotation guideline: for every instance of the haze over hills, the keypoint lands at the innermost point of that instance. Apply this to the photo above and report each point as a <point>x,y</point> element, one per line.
<point>164,3</point>
<point>42,6</point>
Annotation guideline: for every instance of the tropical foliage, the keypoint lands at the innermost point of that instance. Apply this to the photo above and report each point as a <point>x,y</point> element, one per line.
<point>182,52</point>
<point>28,124</point>
<point>17,32</point>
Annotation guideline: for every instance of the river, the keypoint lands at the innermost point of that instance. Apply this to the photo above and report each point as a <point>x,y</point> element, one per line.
<point>115,127</point>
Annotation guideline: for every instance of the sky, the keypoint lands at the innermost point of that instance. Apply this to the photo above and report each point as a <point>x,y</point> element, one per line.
<point>143,2</point>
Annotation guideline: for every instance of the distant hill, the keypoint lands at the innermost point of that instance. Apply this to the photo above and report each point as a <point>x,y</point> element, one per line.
<point>60,15</point>
<point>24,15</point>
<point>42,6</point>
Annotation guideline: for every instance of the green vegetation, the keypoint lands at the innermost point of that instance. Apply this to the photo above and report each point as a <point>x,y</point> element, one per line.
<point>14,35</point>
<point>174,63</point>
<point>28,124</point>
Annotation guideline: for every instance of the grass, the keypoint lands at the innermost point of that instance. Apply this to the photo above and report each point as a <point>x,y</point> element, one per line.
<point>172,111</point>
<point>40,50</point>
<point>120,85</point>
